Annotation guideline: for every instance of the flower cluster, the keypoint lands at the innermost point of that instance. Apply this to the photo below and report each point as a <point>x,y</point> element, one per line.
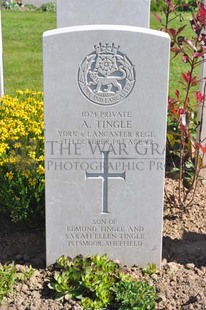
<point>22,154</point>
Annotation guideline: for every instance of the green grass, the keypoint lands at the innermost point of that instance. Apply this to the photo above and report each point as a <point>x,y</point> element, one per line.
<point>176,65</point>
<point>22,44</point>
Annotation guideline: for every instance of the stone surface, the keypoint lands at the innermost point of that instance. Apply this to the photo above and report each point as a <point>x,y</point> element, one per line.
<point>105,126</point>
<point>115,12</point>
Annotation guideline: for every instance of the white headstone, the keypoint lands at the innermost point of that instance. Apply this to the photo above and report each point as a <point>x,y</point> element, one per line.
<point>110,12</point>
<point>1,62</point>
<point>105,117</point>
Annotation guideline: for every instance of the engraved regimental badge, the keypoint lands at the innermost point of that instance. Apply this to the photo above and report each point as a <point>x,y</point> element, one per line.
<point>106,76</point>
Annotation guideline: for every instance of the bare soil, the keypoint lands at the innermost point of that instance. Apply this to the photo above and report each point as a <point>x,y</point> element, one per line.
<point>181,283</point>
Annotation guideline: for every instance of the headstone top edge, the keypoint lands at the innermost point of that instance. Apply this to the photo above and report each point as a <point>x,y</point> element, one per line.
<point>105,27</point>
<point>135,13</point>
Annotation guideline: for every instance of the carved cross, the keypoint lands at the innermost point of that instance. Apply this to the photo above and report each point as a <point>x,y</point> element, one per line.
<point>105,175</point>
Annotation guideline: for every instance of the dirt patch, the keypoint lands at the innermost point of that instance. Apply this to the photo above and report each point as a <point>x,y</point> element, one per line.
<point>181,283</point>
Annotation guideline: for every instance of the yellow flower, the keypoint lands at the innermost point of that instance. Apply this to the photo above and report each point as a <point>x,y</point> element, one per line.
<point>19,92</point>
<point>12,160</point>
<point>41,158</point>
<point>26,173</point>
<point>10,175</point>
<point>22,134</point>
<point>32,154</point>
<point>40,169</point>
<point>17,145</point>
<point>3,147</point>
<point>32,182</point>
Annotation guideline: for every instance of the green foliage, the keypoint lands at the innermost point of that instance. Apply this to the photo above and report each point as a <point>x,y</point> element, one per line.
<point>176,65</point>
<point>186,145</point>
<point>11,5</point>
<point>9,276</point>
<point>150,269</point>
<point>22,156</point>
<point>30,7</point>
<point>156,5</point>
<point>98,283</point>
<point>187,5</point>
<point>7,280</point>
<point>135,295</point>
<point>48,7</point>
<point>182,5</point>
<point>88,280</point>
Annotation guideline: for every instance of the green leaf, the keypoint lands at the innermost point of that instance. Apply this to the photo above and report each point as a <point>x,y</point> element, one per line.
<point>174,170</point>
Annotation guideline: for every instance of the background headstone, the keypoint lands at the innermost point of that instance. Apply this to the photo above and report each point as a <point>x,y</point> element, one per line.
<point>105,127</point>
<point>110,12</point>
<point>1,62</point>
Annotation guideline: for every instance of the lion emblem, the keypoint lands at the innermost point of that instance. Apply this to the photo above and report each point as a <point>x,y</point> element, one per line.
<point>106,76</point>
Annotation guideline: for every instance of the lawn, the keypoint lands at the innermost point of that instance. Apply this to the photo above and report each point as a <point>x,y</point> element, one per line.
<point>176,64</point>
<point>22,45</point>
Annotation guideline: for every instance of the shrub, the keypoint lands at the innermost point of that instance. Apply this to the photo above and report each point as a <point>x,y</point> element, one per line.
<point>134,295</point>
<point>30,7</point>
<point>9,276</point>
<point>186,146</point>
<point>98,283</point>
<point>181,5</point>
<point>7,280</point>
<point>22,156</point>
<point>48,7</point>
<point>11,5</point>
<point>187,5</point>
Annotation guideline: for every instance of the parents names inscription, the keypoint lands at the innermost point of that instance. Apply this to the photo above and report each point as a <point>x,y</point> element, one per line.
<point>105,233</point>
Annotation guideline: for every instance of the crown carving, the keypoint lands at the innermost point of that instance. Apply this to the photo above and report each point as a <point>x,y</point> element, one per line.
<point>106,48</point>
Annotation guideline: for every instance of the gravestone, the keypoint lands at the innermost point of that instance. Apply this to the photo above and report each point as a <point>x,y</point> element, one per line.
<point>105,127</point>
<point>110,12</point>
<point>1,62</point>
